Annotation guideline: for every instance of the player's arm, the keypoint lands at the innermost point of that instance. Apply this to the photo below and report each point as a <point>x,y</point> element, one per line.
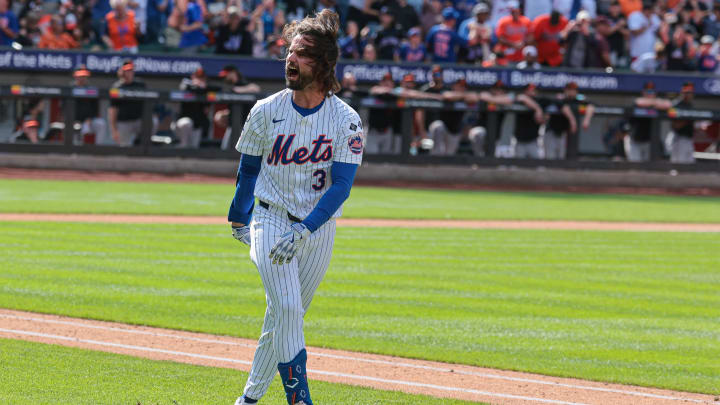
<point>241,206</point>
<point>568,113</point>
<point>343,176</point>
<point>251,145</point>
<point>589,113</point>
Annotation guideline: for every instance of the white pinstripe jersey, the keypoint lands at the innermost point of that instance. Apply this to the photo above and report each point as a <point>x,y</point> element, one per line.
<point>298,151</point>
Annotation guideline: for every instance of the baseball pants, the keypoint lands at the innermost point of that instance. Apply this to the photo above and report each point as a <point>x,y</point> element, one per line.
<point>289,289</point>
<point>554,145</point>
<point>524,150</point>
<point>681,148</point>
<point>446,142</point>
<point>128,131</point>
<point>636,151</point>
<point>379,141</point>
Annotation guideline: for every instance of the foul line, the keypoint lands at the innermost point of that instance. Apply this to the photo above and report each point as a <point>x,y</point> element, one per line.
<point>328,373</point>
<point>383,223</point>
<point>358,359</point>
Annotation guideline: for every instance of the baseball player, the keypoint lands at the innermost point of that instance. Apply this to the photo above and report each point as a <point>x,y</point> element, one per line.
<point>300,150</point>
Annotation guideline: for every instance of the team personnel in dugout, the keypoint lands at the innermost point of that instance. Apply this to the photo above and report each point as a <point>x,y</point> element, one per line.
<point>442,40</point>
<point>561,123</point>
<point>87,111</point>
<point>234,83</point>
<point>680,140</point>
<point>527,125</point>
<point>121,31</point>
<point>194,124</point>
<point>513,33</point>
<point>637,145</point>
<point>125,116</point>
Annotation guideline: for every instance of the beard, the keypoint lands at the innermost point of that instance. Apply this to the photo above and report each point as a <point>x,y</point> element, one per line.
<point>299,81</point>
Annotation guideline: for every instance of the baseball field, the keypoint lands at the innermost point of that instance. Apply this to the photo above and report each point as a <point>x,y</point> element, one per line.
<point>514,297</point>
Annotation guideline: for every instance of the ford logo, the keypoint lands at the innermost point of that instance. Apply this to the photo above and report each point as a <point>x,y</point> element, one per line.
<point>712,86</point>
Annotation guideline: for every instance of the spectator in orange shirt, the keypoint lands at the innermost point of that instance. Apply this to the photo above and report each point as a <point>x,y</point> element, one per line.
<point>630,6</point>
<point>56,37</point>
<point>513,32</point>
<point>120,28</point>
<point>546,30</point>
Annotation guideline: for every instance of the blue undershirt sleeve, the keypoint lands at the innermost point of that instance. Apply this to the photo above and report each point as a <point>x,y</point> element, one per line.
<point>243,202</point>
<point>342,175</point>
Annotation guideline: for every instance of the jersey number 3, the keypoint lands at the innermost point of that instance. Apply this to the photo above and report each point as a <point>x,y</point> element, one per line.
<point>320,174</point>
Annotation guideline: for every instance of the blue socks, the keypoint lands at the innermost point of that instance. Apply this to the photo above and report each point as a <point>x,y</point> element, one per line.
<point>294,379</point>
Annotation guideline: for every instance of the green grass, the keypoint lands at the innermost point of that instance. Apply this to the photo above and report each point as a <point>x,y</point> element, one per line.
<point>34,373</point>
<point>365,202</point>
<point>639,308</point>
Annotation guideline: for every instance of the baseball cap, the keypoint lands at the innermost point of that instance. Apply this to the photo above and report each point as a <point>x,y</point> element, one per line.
<point>513,4</point>
<point>688,87</point>
<point>199,72</point>
<point>707,39</point>
<point>449,13</point>
<point>387,76</point>
<point>29,123</point>
<point>531,86</point>
<point>480,8</point>
<point>529,51</point>
<point>571,85</point>
<point>227,69</point>
<point>81,71</point>
<point>128,65</point>
<point>232,10</point>
<point>582,15</point>
<point>414,31</point>
<point>498,84</point>
<point>385,10</point>
<point>408,78</point>
<point>601,19</point>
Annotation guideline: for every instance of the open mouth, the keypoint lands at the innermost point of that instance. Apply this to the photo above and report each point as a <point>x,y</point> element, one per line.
<point>292,72</point>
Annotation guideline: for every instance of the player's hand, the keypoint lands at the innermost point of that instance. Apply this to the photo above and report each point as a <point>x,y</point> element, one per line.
<point>242,233</point>
<point>288,244</point>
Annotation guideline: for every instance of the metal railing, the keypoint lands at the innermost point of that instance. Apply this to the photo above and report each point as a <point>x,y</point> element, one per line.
<point>241,103</point>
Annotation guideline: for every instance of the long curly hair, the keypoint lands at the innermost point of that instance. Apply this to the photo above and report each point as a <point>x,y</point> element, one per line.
<point>321,31</point>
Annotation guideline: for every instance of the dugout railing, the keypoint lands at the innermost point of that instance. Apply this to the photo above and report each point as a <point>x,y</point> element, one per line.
<point>240,104</point>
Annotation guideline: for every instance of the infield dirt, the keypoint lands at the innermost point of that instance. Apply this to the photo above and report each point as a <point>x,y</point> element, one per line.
<point>376,371</point>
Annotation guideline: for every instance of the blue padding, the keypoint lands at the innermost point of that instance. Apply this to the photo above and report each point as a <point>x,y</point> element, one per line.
<point>294,379</point>
<point>243,202</point>
<point>342,175</point>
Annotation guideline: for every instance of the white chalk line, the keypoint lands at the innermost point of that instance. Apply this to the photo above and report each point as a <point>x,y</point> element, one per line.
<point>365,360</point>
<point>312,371</point>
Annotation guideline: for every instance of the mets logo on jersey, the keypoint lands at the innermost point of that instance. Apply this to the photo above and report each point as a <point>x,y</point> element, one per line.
<point>281,151</point>
<point>356,144</point>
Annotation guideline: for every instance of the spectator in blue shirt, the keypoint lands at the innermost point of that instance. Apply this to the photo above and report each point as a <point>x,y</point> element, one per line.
<point>157,14</point>
<point>349,45</point>
<point>98,12</point>
<point>9,26</point>
<point>442,40</point>
<point>192,29</point>
<point>412,50</point>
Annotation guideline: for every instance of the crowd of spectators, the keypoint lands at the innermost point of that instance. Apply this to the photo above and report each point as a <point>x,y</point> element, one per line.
<point>645,35</point>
